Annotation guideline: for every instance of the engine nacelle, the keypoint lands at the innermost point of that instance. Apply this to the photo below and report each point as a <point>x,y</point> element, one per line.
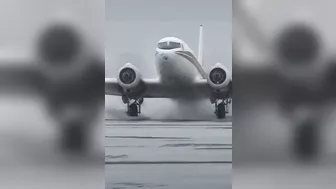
<point>129,76</point>
<point>59,44</point>
<point>219,77</point>
<point>298,43</point>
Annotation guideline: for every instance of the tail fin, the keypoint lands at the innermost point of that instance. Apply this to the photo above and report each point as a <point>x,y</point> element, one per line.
<point>200,46</point>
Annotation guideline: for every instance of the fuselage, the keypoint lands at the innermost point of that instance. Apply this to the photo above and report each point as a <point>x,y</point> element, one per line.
<point>175,62</point>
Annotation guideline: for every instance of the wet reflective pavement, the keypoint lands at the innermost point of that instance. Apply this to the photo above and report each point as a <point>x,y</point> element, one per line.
<point>168,154</point>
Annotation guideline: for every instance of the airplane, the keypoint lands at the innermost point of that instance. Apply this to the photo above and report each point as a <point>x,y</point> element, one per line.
<point>289,72</point>
<point>181,76</point>
<point>65,73</point>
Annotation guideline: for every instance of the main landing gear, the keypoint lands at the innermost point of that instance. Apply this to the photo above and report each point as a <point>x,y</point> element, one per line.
<point>75,137</point>
<point>307,140</point>
<point>133,106</point>
<point>221,108</point>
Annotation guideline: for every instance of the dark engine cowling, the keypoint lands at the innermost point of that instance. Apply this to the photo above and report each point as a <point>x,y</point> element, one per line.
<point>219,77</point>
<point>129,77</point>
<point>60,44</point>
<point>298,43</point>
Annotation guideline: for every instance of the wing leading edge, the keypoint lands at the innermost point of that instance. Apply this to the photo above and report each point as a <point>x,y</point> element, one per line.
<point>155,89</point>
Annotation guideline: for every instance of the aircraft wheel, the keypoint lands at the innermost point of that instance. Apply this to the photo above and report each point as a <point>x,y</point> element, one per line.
<point>306,141</point>
<point>133,110</point>
<point>221,111</point>
<point>124,99</point>
<point>141,100</point>
<point>74,137</point>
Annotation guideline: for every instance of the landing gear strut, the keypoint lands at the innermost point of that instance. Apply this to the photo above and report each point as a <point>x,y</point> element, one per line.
<point>133,106</point>
<point>221,108</point>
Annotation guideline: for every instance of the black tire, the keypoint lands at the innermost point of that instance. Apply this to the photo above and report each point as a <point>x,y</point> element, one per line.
<point>141,100</point>
<point>133,110</point>
<point>306,141</point>
<point>124,99</point>
<point>74,137</point>
<point>221,114</point>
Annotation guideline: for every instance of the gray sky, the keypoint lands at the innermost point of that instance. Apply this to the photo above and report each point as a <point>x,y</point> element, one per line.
<point>20,20</point>
<point>133,29</point>
<point>272,16</point>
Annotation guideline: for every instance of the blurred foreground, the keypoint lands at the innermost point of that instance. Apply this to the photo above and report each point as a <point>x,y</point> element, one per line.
<point>51,94</point>
<point>284,70</point>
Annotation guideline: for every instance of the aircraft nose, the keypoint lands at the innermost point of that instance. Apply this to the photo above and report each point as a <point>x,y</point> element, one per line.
<point>163,56</point>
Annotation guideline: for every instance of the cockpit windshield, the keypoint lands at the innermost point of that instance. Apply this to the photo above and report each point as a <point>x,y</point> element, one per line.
<point>169,45</point>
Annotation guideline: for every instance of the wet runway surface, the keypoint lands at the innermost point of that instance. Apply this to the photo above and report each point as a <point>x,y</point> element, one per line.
<point>168,154</point>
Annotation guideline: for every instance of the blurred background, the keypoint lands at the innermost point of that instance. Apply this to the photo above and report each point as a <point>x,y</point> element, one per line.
<point>284,111</point>
<point>132,34</point>
<point>51,93</point>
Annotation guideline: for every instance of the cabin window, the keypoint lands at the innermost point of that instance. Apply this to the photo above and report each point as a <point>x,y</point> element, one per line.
<point>169,45</point>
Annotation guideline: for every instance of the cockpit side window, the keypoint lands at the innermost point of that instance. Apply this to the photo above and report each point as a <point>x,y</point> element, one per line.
<point>169,45</point>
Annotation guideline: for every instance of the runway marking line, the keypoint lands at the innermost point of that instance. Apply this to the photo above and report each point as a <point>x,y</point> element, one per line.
<point>164,162</point>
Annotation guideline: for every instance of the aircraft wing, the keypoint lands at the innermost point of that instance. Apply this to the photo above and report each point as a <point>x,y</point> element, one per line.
<point>20,79</point>
<point>19,73</point>
<point>266,84</point>
<point>263,83</point>
<point>155,89</point>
